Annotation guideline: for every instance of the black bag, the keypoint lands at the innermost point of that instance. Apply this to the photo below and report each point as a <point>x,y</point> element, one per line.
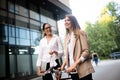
<point>58,64</point>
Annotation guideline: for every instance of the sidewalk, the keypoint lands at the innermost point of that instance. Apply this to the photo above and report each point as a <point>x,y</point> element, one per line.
<point>105,62</point>
<point>101,63</point>
<point>62,76</point>
<point>38,78</point>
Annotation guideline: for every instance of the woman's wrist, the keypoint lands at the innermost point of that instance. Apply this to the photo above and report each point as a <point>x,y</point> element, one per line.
<point>77,62</point>
<point>62,67</point>
<point>55,52</point>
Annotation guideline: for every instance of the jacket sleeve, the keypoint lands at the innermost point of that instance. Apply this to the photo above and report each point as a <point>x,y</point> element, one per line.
<point>85,46</point>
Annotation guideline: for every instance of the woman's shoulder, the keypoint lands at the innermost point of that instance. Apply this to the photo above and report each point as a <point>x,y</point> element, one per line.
<point>43,39</point>
<point>82,32</point>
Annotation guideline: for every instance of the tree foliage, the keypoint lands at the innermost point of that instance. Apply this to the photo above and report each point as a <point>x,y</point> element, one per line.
<point>104,34</point>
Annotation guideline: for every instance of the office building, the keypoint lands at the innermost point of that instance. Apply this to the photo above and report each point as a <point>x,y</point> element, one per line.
<point>20,33</point>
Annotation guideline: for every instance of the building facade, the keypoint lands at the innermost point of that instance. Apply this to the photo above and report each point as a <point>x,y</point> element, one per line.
<point>20,33</point>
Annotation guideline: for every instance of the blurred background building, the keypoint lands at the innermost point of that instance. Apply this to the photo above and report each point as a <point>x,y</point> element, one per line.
<point>20,33</point>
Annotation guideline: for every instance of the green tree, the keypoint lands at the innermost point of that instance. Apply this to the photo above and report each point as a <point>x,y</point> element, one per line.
<point>114,9</point>
<point>103,35</point>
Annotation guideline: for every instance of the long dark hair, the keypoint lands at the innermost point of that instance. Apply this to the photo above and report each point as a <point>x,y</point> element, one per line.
<point>74,23</point>
<point>43,28</point>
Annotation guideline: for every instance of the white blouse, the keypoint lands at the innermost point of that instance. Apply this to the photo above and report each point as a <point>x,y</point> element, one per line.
<point>44,48</point>
<point>70,49</point>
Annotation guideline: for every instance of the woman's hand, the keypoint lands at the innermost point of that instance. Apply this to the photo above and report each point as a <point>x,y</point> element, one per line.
<point>40,72</point>
<point>51,52</point>
<point>62,67</point>
<point>55,52</point>
<point>71,68</point>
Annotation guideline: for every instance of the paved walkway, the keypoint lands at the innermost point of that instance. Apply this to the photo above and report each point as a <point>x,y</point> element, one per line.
<point>101,63</point>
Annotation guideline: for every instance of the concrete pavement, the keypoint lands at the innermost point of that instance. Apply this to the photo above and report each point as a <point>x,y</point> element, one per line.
<point>103,69</point>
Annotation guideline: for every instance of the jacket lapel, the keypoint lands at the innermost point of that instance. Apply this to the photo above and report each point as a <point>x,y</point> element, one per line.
<point>73,42</point>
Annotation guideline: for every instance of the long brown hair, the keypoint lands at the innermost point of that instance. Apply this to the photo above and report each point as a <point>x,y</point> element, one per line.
<point>75,25</point>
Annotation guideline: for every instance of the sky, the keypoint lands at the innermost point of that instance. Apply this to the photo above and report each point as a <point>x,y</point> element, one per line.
<point>84,10</point>
<point>87,10</point>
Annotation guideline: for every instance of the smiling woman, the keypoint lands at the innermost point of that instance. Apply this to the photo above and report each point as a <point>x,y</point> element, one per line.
<point>77,57</point>
<point>50,50</point>
<point>47,29</point>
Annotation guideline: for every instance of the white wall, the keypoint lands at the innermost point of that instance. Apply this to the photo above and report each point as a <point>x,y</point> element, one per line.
<point>66,2</point>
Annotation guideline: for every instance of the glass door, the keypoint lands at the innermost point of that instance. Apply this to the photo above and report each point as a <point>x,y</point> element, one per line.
<point>2,61</point>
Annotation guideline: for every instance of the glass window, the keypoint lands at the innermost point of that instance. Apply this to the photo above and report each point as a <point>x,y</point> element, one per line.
<point>11,7</point>
<point>11,22</point>
<point>44,19</point>
<point>35,27</point>
<point>24,42</point>
<point>12,59</point>
<point>28,34</point>
<point>12,40</point>
<point>23,63</point>
<point>17,41</point>
<point>34,15</point>
<point>23,33</point>
<point>21,10</point>
<point>3,33</point>
<point>3,4</point>
<point>17,32</point>
<point>21,20</point>
<point>34,60</point>
<point>46,13</point>
<point>5,39</point>
<point>3,20</point>
<point>11,34</point>
<point>35,38</point>
<point>42,26</point>
<point>17,35</point>
<point>35,34</point>
<point>3,13</point>
<point>52,22</point>
<point>12,65</point>
<point>24,38</point>
<point>11,15</point>
<point>34,22</point>
<point>11,31</point>
<point>6,30</point>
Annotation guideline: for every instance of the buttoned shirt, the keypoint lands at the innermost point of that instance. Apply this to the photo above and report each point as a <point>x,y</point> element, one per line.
<point>44,48</point>
<point>70,49</point>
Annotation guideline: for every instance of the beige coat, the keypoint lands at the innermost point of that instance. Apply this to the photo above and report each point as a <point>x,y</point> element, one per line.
<point>86,67</point>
